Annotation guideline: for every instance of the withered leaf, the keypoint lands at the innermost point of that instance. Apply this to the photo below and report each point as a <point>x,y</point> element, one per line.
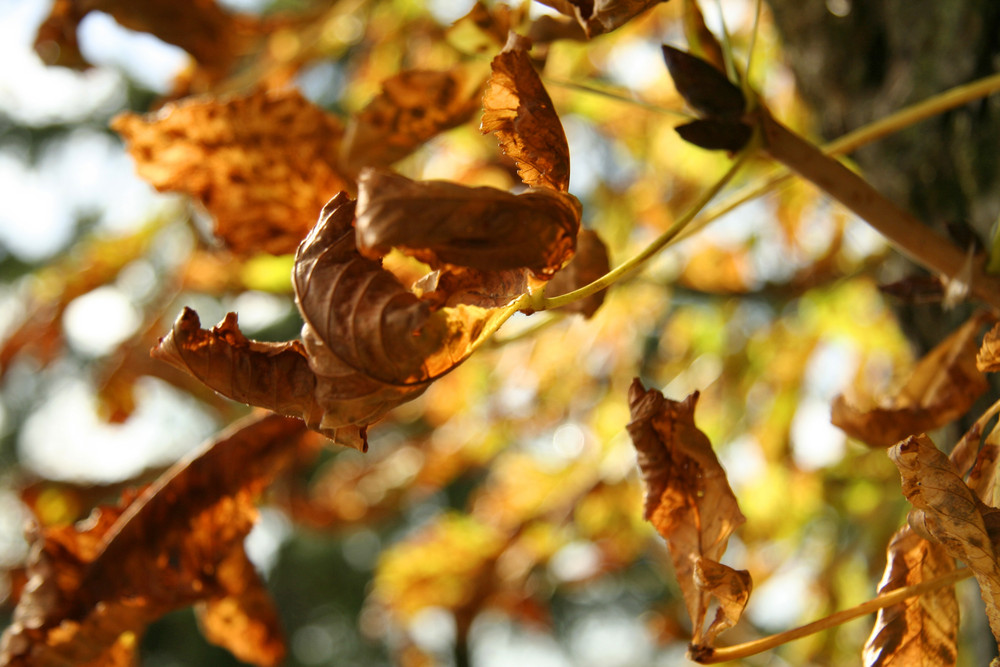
<point>921,630</point>
<point>588,264</point>
<point>483,228</point>
<point>263,164</point>
<point>943,386</point>
<point>688,499</point>
<point>948,512</point>
<point>600,16</point>
<point>703,87</point>
<point>988,359</point>
<point>730,587</point>
<point>414,106</point>
<point>518,110</point>
<point>715,135</point>
<point>97,585</point>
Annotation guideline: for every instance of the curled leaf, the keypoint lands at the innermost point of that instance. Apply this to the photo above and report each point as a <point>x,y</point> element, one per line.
<point>483,228</point>
<point>730,587</point>
<point>703,87</point>
<point>414,106</point>
<point>588,264</point>
<point>688,499</point>
<point>988,359</point>
<point>923,629</point>
<point>95,586</point>
<point>262,164</point>
<point>600,16</point>
<point>943,386</point>
<point>518,110</point>
<point>949,513</point>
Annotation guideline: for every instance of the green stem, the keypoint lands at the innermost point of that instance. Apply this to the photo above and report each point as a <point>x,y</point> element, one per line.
<point>707,655</point>
<point>661,242</point>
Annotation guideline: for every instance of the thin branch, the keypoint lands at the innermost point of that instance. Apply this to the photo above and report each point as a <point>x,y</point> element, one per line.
<point>906,233</point>
<point>707,655</point>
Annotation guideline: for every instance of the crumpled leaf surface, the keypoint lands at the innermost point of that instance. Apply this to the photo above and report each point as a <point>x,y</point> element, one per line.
<point>413,107</point>
<point>263,164</point>
<point>921,630</point>
<point>988,359</point>
<point>948,512</point>
<point>368,344</point>
<point>94,587</point>
<point>943,386</point>
<point>589,263</point>
<point>730,587</point>
<point>600,16</point>
<point>688,498</point>
<point>519,111</point>
<point>440,222</point>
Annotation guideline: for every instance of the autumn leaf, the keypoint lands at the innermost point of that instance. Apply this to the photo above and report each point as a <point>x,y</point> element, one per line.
<point>215,38</point>
<point>263,164</point>
<point>95,586</point>
<point>589,263</point>
<point>482,228</point>
<point>413,107</point>
<point>988,359</point>
<point>688,499</point>
<point>518,110</point>
<point>600,16</point>
<point>730,587</point>
<point>921,630</point>
<point>948,512</point>
<point>943,386</point>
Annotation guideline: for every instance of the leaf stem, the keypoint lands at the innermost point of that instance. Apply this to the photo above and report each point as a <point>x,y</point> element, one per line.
<point>905,232</point>
<point>662,241</point>
<point>707,655</point>
<point>850,142</point>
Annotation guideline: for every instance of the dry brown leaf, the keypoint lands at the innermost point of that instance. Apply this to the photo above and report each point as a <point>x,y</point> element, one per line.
<point>215,38</point>
<point>948,512</point>
<point>482,228</point>
<point>263,164</point>
<point>730,587</point>
<point>600,16</point>
<point>588,264</point>
<point>688,498</point>
<point>921,630</point>
<point>518,110</point>
<point>942,387</point>
<point>94,587</point>
<point>988,359</point>
<point>414,106</point>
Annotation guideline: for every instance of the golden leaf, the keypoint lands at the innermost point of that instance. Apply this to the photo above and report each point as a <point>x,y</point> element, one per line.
<point>730,587</point>
<point>518,110</point>
<point>942,387</point>
<point>988,359</point>
<point>600,16</point>
<point>921,630</point>
<point>688,498</point>
<point>263,164</point>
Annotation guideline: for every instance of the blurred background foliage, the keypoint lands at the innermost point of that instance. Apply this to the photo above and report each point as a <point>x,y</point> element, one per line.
<point>496,518</point>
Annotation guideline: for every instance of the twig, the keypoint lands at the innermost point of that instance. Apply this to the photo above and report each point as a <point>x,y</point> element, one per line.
<point>707,655</point>
<point>903,231</point>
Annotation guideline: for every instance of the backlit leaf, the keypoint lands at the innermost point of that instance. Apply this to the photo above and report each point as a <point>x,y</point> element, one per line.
<point>483,228</point>
<point>518,110</point>
<point>921,630</point>
<point>414,106</point>
<point>600,16</point>
<point>688,498</point>
<point>948,512</point>
<point>98,584</point>
<point>730,587</point>
<point>942,387</point>
<point>988,359</point>
<point>263,164</point>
